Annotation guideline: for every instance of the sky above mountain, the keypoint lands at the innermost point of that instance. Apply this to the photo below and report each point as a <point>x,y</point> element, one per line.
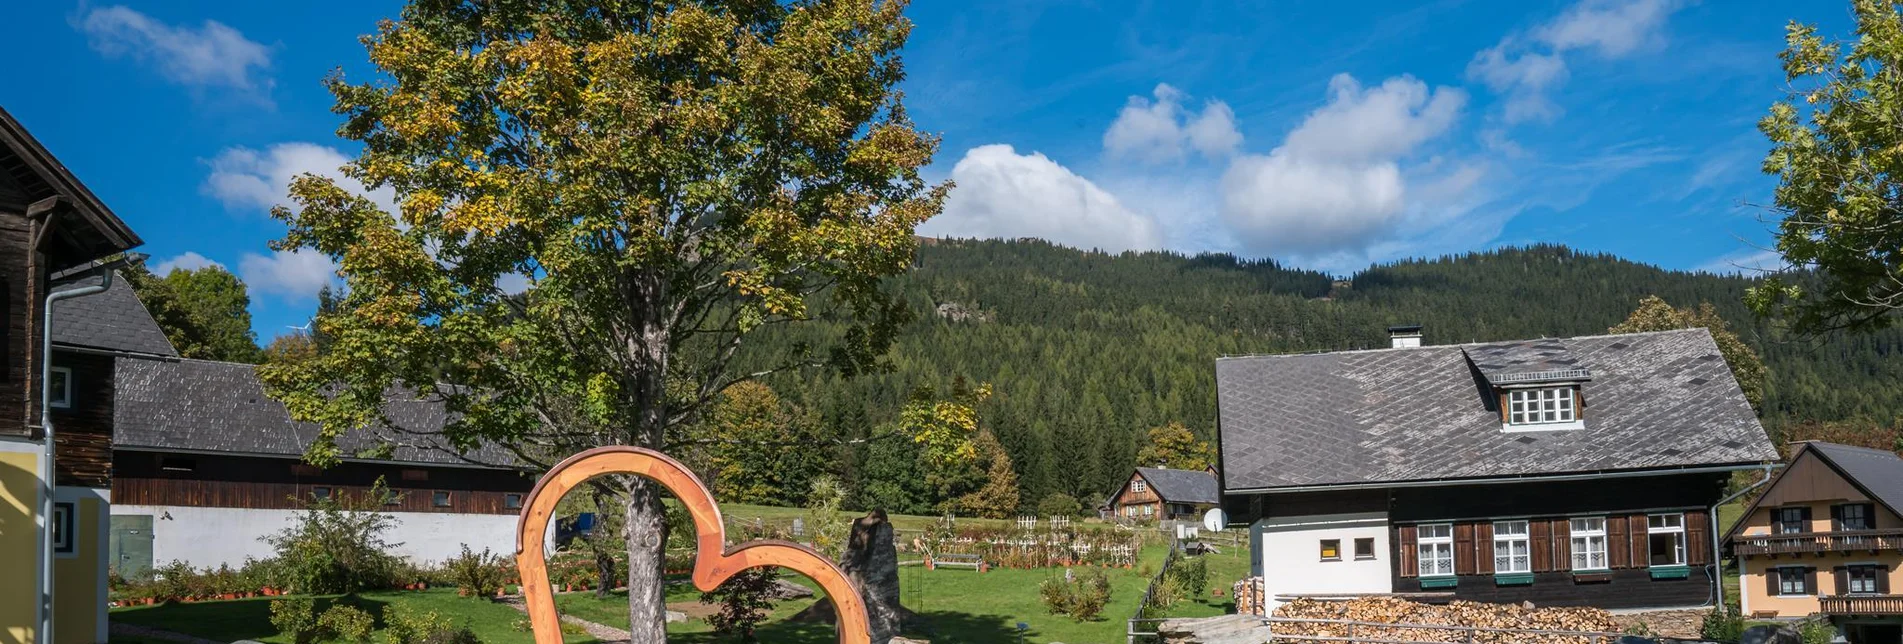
<point>1325,134</point>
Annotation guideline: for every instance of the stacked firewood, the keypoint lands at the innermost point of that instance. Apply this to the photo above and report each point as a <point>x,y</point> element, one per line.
<point>1528,625</point>
<point>1249,596</point>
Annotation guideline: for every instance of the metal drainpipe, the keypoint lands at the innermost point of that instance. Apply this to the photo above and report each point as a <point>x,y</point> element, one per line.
<point>1717,540</point>
<point>46,457</point>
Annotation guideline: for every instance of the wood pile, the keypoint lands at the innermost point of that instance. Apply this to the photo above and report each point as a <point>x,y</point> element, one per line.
<point>1249,596</point>
<point>1561,625</point>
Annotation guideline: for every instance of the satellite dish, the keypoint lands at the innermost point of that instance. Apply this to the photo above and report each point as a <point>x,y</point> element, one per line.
<point>1215,520</point>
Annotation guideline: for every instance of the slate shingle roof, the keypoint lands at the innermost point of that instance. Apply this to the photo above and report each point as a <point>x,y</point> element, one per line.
<point>1879,472</point>
<point>1655,400</point>
<point>114,320</point>
<point>1182,486</point>
<point>201,405</point>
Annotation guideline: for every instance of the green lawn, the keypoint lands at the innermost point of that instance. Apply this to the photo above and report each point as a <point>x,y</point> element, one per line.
<point>228,621</point>
<point>956,606</point>
<point>1224,571</point>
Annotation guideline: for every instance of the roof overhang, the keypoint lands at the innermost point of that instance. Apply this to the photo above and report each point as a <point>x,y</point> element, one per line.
<point>1804,447</point>
<point>119,447</point>
<point>1496,480</point>
<point>88,226</point>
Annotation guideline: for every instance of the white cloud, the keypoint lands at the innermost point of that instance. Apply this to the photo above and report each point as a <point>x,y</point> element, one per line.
<point>189,261</point>
<point>1337,183</point>
<point>243,178</point>
<point>1158,130</point>
<point>1523,69</point>
<point>211,55</point>
<point>293,275</point>
<point>1003,194</point>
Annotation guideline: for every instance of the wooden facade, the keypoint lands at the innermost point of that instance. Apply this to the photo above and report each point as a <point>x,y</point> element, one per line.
<point>258,482</point>
<point>1138,500</point>
<point>1796,551</point>
<point>85,425</point>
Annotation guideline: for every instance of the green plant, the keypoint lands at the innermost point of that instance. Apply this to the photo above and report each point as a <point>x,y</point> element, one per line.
<point>1059,504</point>
<point>409,626</point>
<point>476,574</point>
<point>297,618</point>
<point>175,580</point>
<point>346,622</point>
<point>1082,596</point>
<point>336,545</point>
<point>1817,632</point>
<point>1722,624</point>
<point>1641,629</point>
<point>743,602</point>
<point>1191,575</point>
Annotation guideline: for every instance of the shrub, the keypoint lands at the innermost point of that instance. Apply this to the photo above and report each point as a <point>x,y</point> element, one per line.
<point>1721,624</point>
<point>1817,632</point>
<point>1059,504</point>
<point>296,617</point>
<point>347,623</point>
<point>406,626</point>
<point>336,545</point>
<point>476,574</point>
<point>743,602</point>
<point>1081,596</point>
<point>175,580</point>
<point>1192,575</point>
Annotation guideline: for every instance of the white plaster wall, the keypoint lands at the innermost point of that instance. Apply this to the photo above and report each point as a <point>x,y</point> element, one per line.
<point>207,537</point>
<point>1291,563</point>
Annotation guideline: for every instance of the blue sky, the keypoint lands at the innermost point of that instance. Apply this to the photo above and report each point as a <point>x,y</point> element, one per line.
<point>1325,134</point>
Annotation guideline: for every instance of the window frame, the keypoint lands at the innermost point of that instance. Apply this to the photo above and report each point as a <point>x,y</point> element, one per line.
<point>1578,537</point>
<point>446,499</point>
<point>1778,522</point>
<point>1424,545</point>
<point>1367,541</point>
<point>60,397</point>
<point>1863,512</point>
<point>1787,573</point>
<point>1139,486</point>
<point>1328,545</point>
<point>512,500</point>
<point>1851,580</point>
<point>322,492</point>
<point>1680,548</point>
<point>1524,407</point>
<point>65,522</point>
<point>1524,537</point>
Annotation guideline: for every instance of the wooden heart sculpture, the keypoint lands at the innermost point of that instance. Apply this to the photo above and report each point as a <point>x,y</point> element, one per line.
<point>713,563</point>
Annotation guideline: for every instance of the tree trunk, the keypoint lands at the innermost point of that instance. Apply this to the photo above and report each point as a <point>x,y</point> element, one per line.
<point>647,541</point>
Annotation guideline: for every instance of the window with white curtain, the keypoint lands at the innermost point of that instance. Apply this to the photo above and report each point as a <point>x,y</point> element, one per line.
<point>1589,543</point>
<point>1435,546</point>
<point>1512,550</point>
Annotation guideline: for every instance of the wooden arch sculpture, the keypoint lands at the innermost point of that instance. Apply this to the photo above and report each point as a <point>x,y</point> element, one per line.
<point>714,562</point>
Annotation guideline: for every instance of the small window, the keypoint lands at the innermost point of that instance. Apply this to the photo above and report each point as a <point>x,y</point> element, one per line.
<point>1435,547</point>
<point>1512,550</point>
<point>1139,485</point>
<point>1364,548</point>
<point>59,388</point>
<point>63,528</point>
<point>1862,580</point>
<point>1793,520</point>
<point>1854,516</point>
<point>1543,406</point>
<point>1589,543</point>
<point>1149,510</point>
<point>320,493</point>
<point>415,475</point>
<point>1331,550</point>
<point>173,464</point>
<point>440,499</point>
<point>512,501</point>
<point>1666,534</point>
<point>1792,580</point>
<point>392,497</point>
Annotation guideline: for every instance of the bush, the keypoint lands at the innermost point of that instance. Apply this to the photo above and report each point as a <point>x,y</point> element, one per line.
<point>1192,575</point>
<point>1059,504</point>
<point>346,623</point>
<point>743,602</point>
<point>1817,632</point>
<point>1721,624</point>
<point>1081,596</point>
<point>405,626</point>
<point>336,545</point>
<point>297,618</point>
<point>476,574</point>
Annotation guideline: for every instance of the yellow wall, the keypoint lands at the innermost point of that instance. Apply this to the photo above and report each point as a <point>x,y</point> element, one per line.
<point>19,543</point>
<point>1753,581</point>
<point>79,607</point>
<point>1813,483</point>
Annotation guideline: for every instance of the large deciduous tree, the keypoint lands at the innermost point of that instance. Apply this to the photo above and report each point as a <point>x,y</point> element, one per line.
<point>1174,446</point>
<point>205,311</point>
<point>599,203</point>
<point>1655,314</point>
<point>1837,149</point>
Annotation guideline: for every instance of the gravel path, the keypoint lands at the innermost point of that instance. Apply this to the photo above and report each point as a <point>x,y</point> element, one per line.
<point>605,633</point>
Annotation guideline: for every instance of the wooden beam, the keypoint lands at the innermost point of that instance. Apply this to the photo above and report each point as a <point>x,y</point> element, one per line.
<point>714,561</point>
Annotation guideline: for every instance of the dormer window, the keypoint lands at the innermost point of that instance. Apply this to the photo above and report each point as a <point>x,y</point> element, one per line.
<point>1541,408</point>
<point>1139,486</point>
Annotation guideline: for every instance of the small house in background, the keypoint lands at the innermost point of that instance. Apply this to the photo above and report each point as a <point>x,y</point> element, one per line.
<point>1826,536</point>
<point>1163,494</point>
<point>1565,472</point>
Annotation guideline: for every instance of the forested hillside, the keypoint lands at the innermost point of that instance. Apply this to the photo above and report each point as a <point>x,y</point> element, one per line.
<point>1086,351</point>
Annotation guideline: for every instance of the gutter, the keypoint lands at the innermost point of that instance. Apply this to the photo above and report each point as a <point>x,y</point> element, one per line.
<point>1517,478</point>
<point>48,473</point>
<point>1717,540</point>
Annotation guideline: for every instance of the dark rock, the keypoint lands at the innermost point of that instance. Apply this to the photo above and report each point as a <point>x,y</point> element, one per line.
<point>1771,634</point>
<point>871,563</point>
